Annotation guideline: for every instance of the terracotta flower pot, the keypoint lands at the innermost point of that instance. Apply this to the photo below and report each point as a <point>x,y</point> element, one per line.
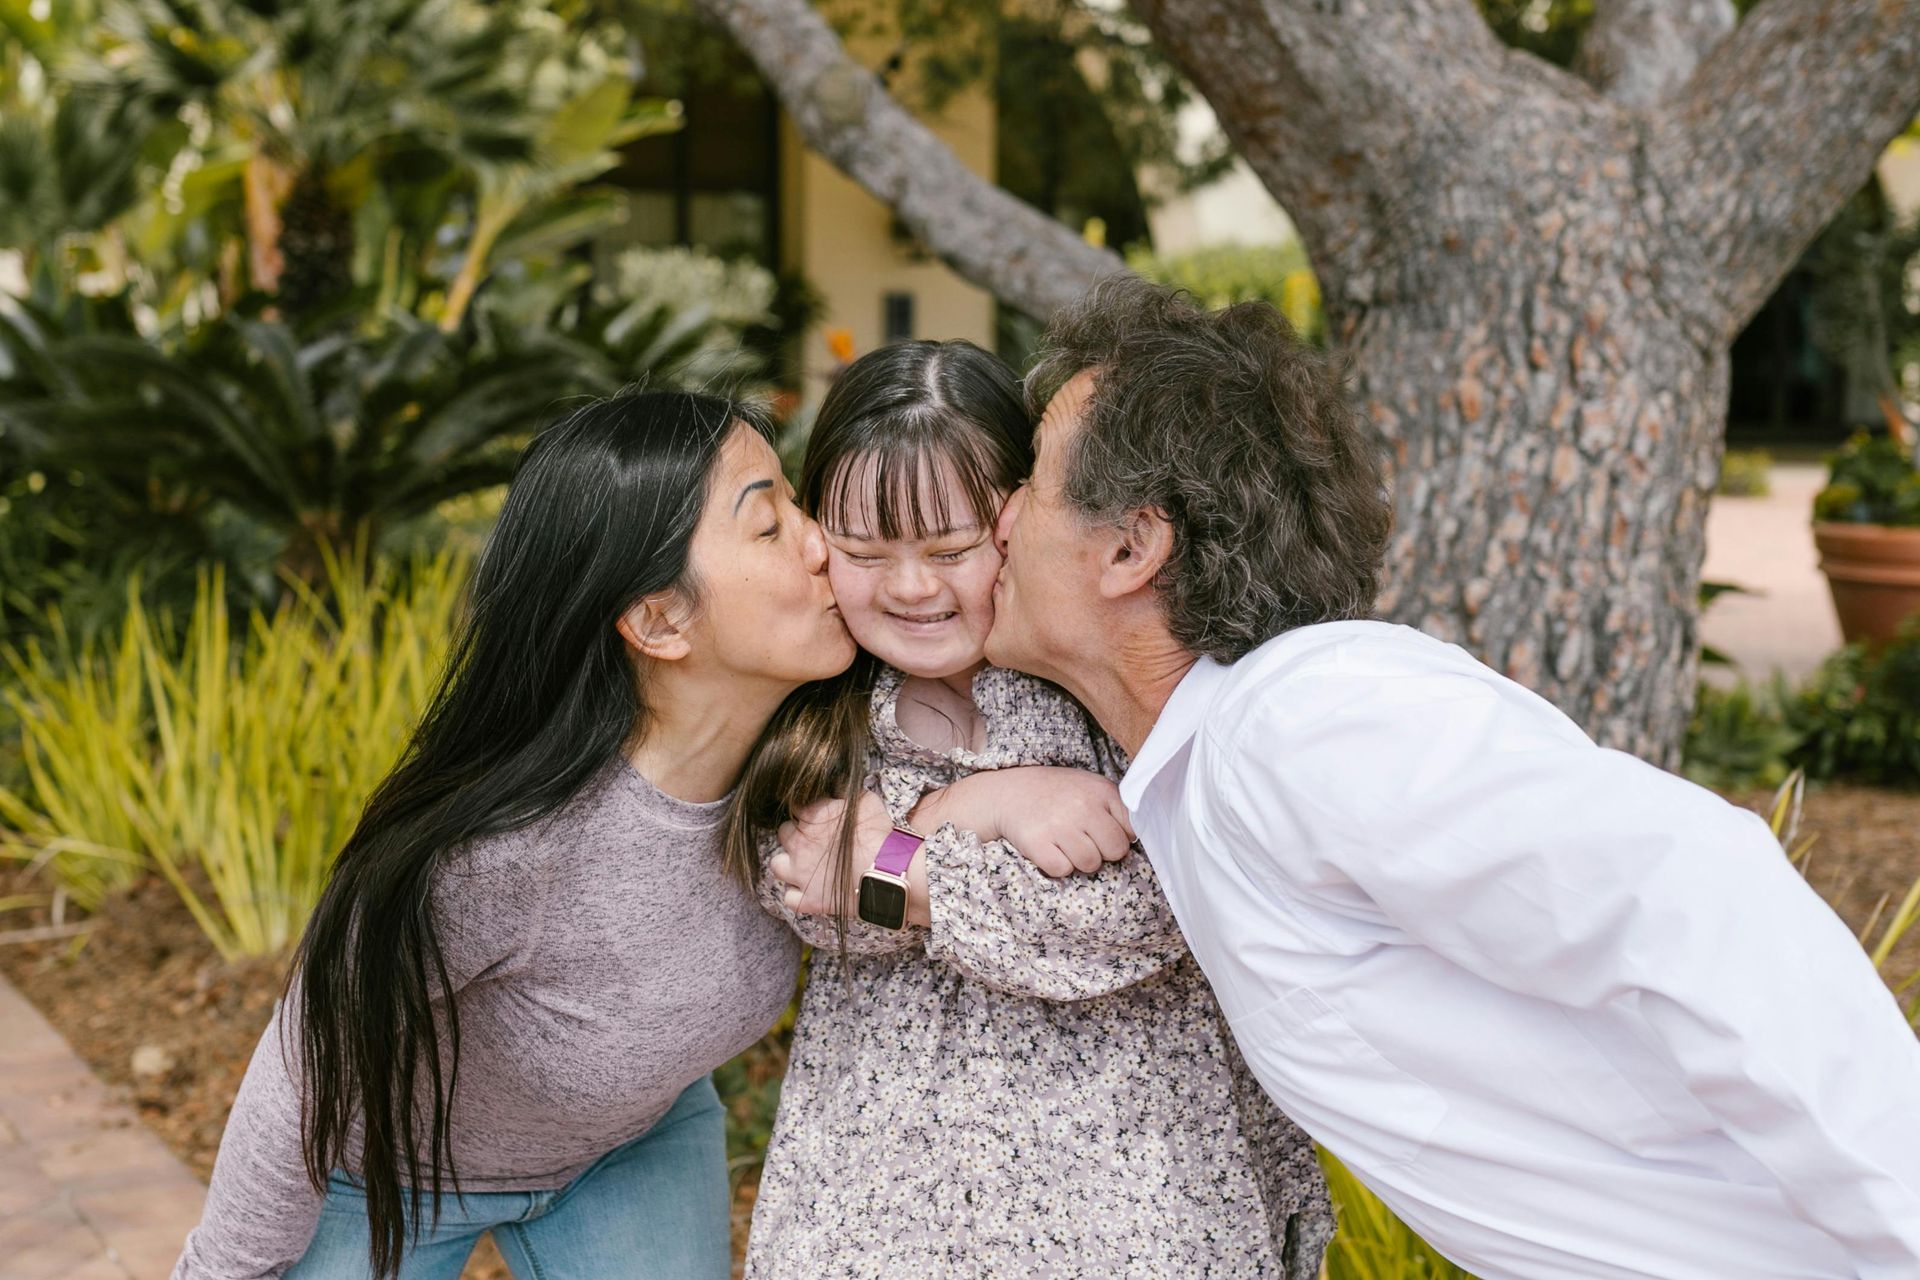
<point>1874,573</point>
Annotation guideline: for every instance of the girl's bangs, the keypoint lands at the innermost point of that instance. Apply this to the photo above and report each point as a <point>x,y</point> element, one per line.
<point>913,489</point>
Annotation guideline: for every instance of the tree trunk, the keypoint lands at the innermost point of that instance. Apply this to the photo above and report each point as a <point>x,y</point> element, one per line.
<point>1639,51</point>
<point>1553,425</point>
<point>1536,283</point>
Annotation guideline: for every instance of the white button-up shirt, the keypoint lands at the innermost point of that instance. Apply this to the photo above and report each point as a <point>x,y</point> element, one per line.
<point>1567,1014</point>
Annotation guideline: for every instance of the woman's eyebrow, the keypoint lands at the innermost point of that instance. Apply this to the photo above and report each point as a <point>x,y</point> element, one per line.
<point>757,484</point>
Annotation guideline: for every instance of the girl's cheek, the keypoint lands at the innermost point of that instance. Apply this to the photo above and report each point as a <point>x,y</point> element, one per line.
<point>853,592</point>
<point>843,579</point>
<point>977,591</point>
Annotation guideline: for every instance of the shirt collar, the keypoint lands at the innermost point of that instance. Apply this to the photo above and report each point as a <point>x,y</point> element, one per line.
<point>1179,720</point>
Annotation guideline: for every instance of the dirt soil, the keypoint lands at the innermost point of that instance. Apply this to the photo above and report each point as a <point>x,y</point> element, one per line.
<point>146,976</point>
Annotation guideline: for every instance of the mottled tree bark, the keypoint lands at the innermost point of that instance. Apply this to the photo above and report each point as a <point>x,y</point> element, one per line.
<point>1638,51</point>
<point>1537,284</point>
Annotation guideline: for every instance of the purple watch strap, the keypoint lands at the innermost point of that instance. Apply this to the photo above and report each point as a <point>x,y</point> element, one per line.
<point>896,852</point>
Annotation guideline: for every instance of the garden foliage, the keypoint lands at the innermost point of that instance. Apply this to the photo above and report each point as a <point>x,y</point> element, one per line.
<point>1856,718</point>
<point>1745,473</point>
<point>1873,480</point>
<point>1225,274</point>
<point>1859,717</point>
<point>1371,1243</point>
<point>234,765</point>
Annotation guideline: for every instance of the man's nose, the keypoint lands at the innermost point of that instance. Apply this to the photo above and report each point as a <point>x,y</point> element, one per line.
<point>1003,527</point>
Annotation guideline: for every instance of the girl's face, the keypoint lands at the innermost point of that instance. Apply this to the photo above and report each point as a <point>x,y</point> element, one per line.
<point>924,604</point>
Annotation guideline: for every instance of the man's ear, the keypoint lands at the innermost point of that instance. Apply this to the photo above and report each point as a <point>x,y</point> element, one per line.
<point>1139,548</point>
<point>656,626</point>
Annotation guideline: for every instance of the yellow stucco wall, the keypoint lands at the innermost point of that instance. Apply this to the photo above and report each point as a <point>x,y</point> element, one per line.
<point>842,240</point>
<point>1900,172</point>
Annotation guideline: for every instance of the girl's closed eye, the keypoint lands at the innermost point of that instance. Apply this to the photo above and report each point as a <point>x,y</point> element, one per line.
<point>956,555</point>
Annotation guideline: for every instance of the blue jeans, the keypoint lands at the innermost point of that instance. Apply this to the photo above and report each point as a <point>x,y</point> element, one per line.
<point>655,1208</point>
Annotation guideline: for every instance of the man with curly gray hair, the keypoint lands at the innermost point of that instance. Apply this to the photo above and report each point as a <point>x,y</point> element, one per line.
<point>1567,1014</point>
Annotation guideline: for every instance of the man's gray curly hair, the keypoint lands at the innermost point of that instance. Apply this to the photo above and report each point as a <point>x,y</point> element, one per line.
<point>1242,434</point>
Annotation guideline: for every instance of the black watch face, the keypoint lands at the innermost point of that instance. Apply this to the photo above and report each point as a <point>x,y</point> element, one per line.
<point>883,903</point>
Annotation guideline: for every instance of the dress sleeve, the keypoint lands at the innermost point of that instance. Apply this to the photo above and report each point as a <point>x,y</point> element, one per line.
<point>261,1211</point>
<point>1000,920</point>
<point>1003,922</point>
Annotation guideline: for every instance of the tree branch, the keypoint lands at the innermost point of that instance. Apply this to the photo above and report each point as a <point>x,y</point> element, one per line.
<point>1779,126</point>
<point>1345,110</point>
<point>989,236</point>
<point>1639,51</point>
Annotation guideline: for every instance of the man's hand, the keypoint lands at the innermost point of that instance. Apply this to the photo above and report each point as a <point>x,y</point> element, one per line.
<point>804,863</point>
<point>1061,820</point>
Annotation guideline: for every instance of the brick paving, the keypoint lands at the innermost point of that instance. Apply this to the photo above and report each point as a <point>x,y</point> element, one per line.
<point>87,1192</point>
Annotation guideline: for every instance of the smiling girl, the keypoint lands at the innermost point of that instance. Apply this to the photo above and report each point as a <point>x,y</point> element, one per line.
<point>1010,1072</point>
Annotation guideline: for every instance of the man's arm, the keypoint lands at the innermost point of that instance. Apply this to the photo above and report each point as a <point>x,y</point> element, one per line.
<point>1480,822</point>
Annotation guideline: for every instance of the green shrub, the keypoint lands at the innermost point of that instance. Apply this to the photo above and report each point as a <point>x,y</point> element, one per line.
<point>1859,715</point>
<point>234,766</point>
<point>1745,473</point>
<point>1871,480</point>
<point>1216,277</point>
<point>1738,738</point>
<point>306,438</point>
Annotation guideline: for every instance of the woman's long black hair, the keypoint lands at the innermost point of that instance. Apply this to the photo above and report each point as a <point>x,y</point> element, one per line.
<point>538,695</point>
<point>897,415</point>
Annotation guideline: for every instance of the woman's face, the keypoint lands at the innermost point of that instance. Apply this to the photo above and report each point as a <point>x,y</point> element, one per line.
<point>766,611</point>
<point>923,605</point>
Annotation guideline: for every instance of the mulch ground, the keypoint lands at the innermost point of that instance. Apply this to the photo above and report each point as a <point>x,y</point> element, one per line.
<point>1865,857</point>
<point>146,976</point>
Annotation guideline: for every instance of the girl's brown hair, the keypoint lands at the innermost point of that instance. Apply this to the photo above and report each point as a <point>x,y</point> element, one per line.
<point>897,416</point>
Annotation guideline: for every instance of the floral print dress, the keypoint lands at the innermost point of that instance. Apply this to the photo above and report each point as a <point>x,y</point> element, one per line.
<point>1040,1084</point>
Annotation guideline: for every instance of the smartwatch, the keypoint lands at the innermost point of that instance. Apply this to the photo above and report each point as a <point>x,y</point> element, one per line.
<point>883,890</point>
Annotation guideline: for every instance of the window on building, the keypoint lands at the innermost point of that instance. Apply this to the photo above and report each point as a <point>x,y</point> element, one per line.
<point>714,183</point>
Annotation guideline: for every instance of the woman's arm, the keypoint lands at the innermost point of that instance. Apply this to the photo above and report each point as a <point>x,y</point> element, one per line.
<point>261,1211</point>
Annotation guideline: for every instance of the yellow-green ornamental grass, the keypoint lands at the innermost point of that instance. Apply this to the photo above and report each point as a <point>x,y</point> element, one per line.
<point>1372,1244</point>
<point>234,766</point>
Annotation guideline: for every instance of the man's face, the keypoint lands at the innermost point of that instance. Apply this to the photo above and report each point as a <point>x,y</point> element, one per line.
<point>1047,595</point>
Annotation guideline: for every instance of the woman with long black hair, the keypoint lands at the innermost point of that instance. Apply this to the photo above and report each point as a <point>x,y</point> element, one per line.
<point>529,956</point>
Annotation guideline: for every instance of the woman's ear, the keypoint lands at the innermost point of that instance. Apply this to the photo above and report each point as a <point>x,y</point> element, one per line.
<point>656,627</point>
<point>1139,548</point>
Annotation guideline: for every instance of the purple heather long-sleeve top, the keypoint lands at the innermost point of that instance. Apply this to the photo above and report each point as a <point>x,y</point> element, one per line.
<point>601,962</point>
